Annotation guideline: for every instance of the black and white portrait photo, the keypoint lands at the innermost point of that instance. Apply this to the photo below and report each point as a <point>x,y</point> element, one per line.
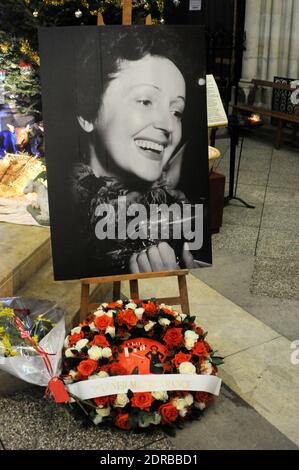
<point>126,148</point>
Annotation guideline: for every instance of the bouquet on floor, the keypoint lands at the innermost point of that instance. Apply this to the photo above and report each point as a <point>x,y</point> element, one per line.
<point>31,338</point>
<point>138,364</point>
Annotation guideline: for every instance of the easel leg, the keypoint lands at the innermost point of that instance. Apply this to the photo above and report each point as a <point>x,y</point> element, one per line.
<point>116,290</point>
<point>84,301</point>
<point>134,291</point>
<point>184,294</point>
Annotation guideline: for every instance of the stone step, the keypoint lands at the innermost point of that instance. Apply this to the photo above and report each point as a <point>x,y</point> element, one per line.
<point>23,250</point>
<point>66,294</point>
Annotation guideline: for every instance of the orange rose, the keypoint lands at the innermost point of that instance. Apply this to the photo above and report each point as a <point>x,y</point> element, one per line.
<point>87,367</point>
<point>167,310</point>
<point>150,308</point>
<point>100,340</point>
<point>168,412</point>
<point>173,337</point>
<point>127,317</point>
<point>113,305</point>
<point>75,337</point>
<point>181,357</point>
<point>142,400</point>
<point>122,421</point>
<point>199,349</point>
<point>102,322</point>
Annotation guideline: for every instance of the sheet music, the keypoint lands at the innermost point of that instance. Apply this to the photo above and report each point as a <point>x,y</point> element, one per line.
<point>216,113</point>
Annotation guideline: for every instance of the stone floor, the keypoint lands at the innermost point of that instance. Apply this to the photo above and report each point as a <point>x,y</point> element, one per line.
<point>260,247</point>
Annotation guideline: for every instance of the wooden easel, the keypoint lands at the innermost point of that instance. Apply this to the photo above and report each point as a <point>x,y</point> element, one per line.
<point>85,306</point>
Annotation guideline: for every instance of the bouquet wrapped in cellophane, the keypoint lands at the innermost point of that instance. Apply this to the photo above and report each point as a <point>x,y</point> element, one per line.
<point>31,338</point>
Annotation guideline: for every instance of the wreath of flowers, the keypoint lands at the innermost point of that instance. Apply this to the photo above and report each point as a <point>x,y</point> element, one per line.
<point>92,350</point>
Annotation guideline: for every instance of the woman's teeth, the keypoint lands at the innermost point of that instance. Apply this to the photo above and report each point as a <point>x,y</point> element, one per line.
<point>148,145</point>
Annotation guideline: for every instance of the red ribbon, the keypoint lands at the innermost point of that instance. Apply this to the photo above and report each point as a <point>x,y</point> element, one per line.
<point>44,354</point>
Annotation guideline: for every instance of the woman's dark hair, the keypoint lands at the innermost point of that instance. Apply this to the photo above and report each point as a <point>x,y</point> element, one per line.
<point>101,56</point>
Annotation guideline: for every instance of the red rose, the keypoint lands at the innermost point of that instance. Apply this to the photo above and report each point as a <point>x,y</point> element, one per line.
<point>203,397</point>
<point>150,308</point>
<point>102,322</point>
<point>75,337</point>
<point>102,401</point>
<point>199,349</point>
<point>87,367</point>
<point>181,357</point>
<point>127,317</point>
<point>122,421</point>
<point>199,331</point>
<point>168,412</point>
<point>100,340</point>
<point>168,368</point>
<point>207,346</point>
<point>142,400</point>
<point>105,368</point>
<point>117,369</point>
<point>173,337</point>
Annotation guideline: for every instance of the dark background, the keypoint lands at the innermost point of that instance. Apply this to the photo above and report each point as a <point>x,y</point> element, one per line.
<point>58,51</point>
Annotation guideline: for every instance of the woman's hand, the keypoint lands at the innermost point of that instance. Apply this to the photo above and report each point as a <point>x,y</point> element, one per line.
<point>159,257</point>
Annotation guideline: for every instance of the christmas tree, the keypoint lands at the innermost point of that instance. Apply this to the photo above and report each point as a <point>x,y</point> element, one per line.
<point>19,22</point>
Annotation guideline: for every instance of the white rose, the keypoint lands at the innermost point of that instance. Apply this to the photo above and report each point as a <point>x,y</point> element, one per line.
<point>81,344</point>
<point>68,353</point>
<point>179,403</point>
<point>139,312</point>
<point>97,419</point>
<point>111,331</point>
<point>149,325</point>
<point>110,313</point>
<point>102,374</point>
<point>144,424</point>
<point>206,368</point>
<point>71,376</point>
<point>106,352</point>
<point>187,368</point>
<point>76,330</point>
<point>121,400</point>
<point>103,305</point>
<point>131,305</point>
<point>103,411</point>
<point>95,353</point>
<point>99,313</point>
<point>66,342</point>
<point>162,396</point>
<point>200,405</point>
<point>156,418</point>
<point>120,302</point>
<point>164,321</point>
<point>93,327</point>
<point>189,334</point>
<point>180,317</point>
<point>183,412</point>
<point>189,399</point>
<point>189,343</point>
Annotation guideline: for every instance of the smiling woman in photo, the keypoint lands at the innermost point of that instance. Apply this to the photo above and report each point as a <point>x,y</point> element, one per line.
<point>133,142</point>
